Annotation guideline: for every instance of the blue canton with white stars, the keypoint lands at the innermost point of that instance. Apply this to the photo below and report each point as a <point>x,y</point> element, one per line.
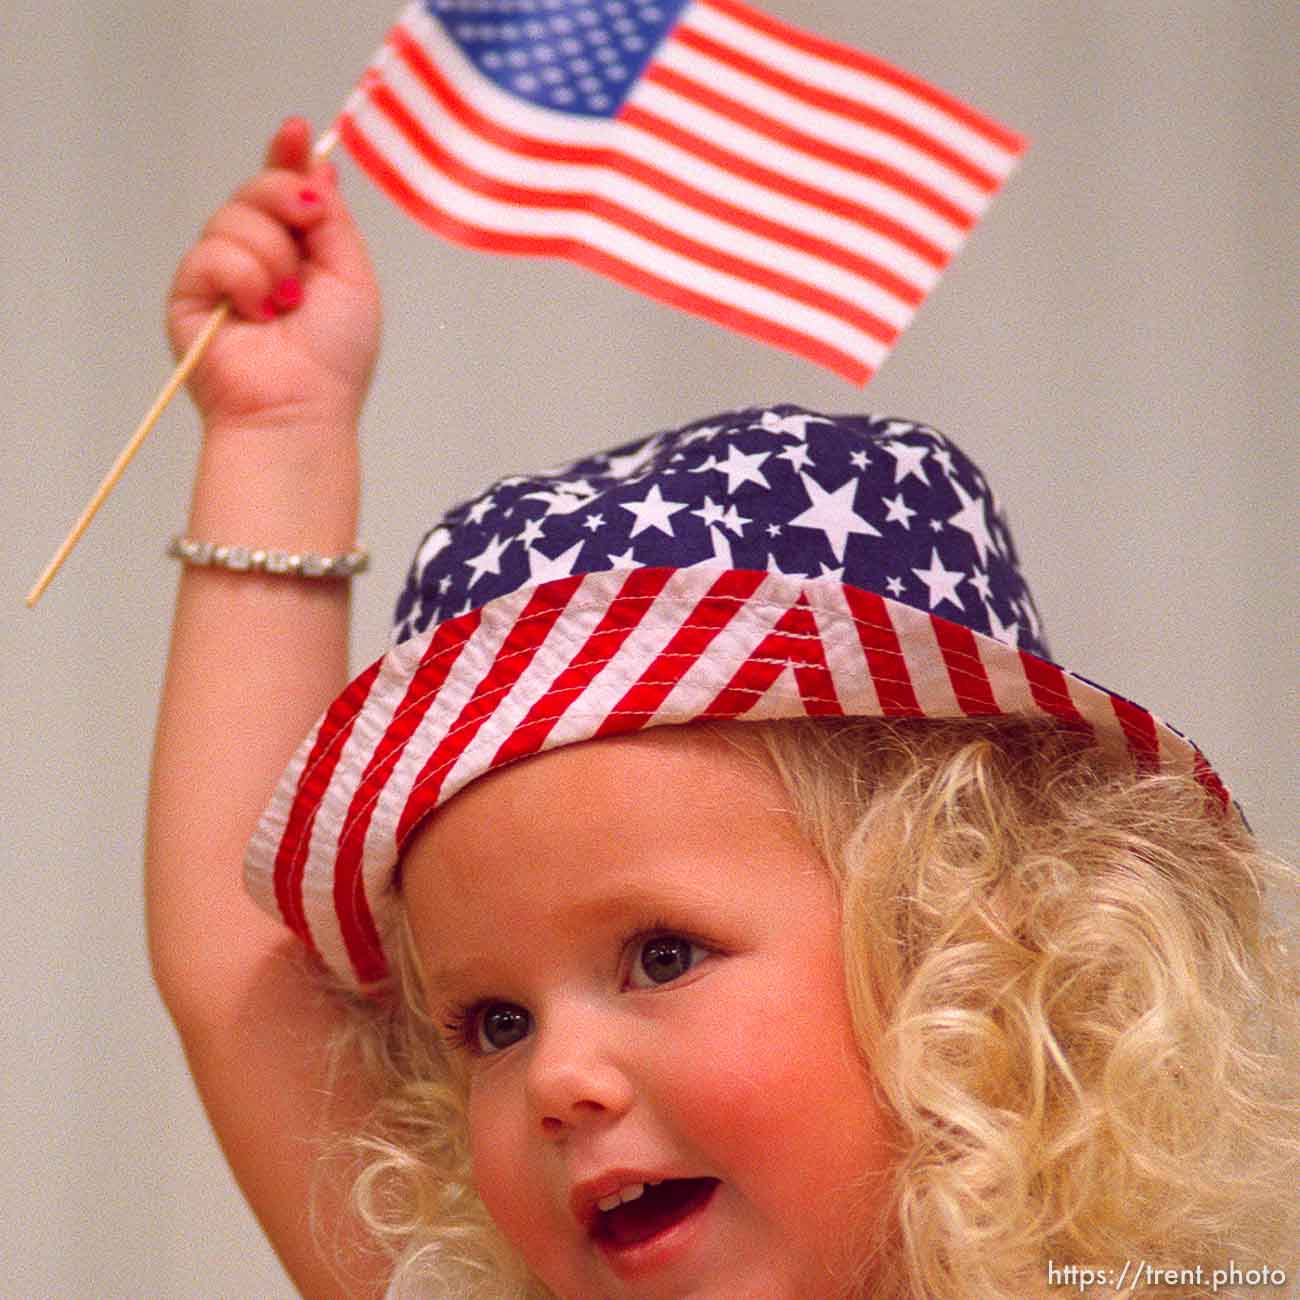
<point>885,505</point>
<point>575,56</point>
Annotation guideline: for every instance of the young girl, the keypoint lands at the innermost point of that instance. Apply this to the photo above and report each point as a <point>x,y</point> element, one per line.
<point>714,892</point>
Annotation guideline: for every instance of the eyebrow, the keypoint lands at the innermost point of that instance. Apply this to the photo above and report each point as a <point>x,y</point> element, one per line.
<point>603,908</point>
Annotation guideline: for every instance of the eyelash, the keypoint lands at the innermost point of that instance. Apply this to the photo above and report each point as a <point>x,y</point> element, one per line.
<point>461,1023</point>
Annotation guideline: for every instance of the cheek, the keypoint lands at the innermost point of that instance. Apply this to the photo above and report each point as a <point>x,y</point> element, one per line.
<point>783,1074</point>
<point>498,1149</point>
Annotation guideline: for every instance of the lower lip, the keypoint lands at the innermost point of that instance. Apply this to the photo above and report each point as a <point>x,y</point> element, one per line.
<point>661,1250</point>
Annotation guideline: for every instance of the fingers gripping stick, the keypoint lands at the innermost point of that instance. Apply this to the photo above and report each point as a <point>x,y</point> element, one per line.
<point>192,357</point>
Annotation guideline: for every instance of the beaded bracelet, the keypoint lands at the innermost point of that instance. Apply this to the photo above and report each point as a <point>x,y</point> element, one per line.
<point>249,559</point>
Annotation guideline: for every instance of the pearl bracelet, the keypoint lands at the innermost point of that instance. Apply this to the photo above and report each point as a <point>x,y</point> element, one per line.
<point>249,559</point>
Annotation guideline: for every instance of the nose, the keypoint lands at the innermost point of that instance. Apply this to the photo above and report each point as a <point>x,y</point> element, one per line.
<point>577,1076</point>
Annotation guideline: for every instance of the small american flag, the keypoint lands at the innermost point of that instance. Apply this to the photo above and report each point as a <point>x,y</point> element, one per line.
<point>698,151</point>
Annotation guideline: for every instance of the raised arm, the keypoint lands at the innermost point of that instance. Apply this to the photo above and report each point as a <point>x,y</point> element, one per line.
<point>253,661</point>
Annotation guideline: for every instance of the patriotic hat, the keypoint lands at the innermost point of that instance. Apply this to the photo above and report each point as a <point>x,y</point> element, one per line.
<point>765,563</point>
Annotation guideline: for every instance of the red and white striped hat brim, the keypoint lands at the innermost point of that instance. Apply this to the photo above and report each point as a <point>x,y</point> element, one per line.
<point>597,654</point>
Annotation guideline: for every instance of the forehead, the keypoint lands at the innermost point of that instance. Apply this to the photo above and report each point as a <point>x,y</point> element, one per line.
<point>673,816</point>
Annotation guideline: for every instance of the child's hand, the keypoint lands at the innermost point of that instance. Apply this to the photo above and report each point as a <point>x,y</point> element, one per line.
<point>300,343</point>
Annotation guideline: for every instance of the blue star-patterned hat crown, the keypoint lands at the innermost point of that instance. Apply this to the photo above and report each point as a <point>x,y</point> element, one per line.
<point>885,505</point>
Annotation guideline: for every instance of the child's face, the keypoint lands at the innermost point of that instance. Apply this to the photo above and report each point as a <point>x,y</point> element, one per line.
<point>650,956</point>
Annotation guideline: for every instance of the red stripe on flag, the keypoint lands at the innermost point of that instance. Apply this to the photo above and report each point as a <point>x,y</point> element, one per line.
<point>1139,729</point>
<point>966,671</point>
<point>528,196</point>
<point>454,104</point>
<point>515,655</point>
<point>873,118</point>
<point>858,61</point>
<point>698,628</point>
<point>295,842</point>
<point>356,923</point>
<point>836,204</point>
<point>623,616</point>
<point>785,134</point>
<point>635,277</point>
<point>794,641</point>
<point>884,654</point>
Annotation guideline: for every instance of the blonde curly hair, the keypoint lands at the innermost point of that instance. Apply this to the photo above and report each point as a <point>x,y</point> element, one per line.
<point>1067,985</point>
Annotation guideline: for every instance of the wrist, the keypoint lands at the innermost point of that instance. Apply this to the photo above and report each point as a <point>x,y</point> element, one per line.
<point>292,486</point>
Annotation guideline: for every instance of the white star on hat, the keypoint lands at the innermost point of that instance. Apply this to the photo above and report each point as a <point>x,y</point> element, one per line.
<point>941,582</point>
<point>797,454</point>
<point>488,560</point>
<point>532,530</point>
<point>741,467</point>
<point>736,521</point>
<point>543,569</point>
<point>833,513</point>
<point>971,519</point>
<point>652,511</point>
<point>711,512</point>
<point>899,511</point>
<point>907,460</point>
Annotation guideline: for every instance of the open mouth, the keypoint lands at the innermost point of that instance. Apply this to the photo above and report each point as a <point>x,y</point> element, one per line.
<point>659,1207</point>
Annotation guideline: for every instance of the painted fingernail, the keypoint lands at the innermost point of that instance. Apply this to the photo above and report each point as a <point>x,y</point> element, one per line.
<point>309,196</point>
<point>268,308</point>
<point>287,294</point>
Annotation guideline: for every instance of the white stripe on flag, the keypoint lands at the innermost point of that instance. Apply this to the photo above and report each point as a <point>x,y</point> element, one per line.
<point>840,132</point>
<point>873,92</point>
<point>762,151</point>
<point>732,187</point>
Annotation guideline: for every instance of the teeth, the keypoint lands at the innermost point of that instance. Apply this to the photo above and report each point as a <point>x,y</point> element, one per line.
<point>632,1192</point>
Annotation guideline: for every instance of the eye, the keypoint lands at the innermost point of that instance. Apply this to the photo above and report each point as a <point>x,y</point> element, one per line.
<point>497,1026</point>
<point>664,958</point>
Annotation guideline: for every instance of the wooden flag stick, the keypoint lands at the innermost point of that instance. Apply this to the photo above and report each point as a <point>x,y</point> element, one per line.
<point>186,364</point>
<point>127,454</point>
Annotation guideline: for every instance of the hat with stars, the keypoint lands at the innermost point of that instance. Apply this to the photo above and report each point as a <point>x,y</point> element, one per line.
<point>765,563</point>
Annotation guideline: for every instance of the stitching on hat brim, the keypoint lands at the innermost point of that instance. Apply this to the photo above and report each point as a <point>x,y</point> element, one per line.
<point>836,617</point>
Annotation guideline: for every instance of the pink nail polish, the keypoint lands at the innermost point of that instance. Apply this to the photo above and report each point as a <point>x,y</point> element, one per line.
<point>287,294</point>
<point>308,196</point>
<point>268,309</point>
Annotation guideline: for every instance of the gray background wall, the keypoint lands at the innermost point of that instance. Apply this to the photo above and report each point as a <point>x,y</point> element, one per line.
<point>1110,346</point>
